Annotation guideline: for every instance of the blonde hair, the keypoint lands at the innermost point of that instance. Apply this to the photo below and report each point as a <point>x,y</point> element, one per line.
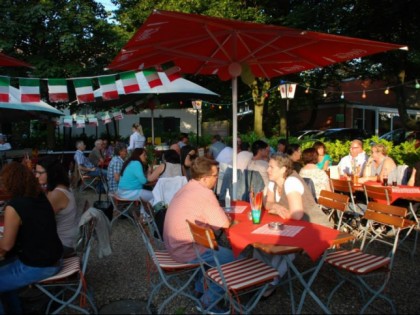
<point>138,128</point>
<point>381,148</point>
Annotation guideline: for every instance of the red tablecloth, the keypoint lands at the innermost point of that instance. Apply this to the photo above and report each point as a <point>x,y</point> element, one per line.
<point>314,239</point>
<point>398,192</point>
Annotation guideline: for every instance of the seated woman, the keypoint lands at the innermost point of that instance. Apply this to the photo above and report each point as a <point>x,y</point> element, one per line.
<point>378,165</point>
<point>295,154</point>
<point>310,170</point>
<point>324,159</point>
<point>133,177</point>
<point>53,177</point>
<point>170,167</point>
<point>30,242</point>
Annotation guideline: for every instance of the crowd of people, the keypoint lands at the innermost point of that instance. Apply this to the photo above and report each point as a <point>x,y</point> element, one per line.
<point>37,238</point>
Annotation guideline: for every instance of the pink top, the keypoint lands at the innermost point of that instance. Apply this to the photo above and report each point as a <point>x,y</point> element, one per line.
<point>198,204</point>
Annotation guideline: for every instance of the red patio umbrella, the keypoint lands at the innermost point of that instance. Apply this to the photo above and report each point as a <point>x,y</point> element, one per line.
<point>7,61</point>
<point>206,45</point>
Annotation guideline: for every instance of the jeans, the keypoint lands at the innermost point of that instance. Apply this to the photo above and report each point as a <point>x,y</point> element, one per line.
<point>224,255</point>
<point>16,275</point>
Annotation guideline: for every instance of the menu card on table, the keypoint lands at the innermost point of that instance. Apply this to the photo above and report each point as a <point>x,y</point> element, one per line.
<point>288,230</point>
<point>236,209</point>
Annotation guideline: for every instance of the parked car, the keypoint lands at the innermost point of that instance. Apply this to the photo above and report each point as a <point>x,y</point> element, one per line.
<point>342,134</point>
<point>305,134</point>
<point>400,135</point>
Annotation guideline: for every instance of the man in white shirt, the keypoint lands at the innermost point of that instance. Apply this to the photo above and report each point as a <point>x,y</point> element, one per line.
<point>3,144</point>
<point>356,158</point>
<point>244,156</point>
<point>259,161</point>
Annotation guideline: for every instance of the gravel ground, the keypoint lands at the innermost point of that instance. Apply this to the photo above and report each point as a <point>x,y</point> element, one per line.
<point>124,276</point>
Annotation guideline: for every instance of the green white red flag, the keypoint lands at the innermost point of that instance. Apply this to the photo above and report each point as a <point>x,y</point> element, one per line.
<point>57,90</point>
<point>129,81</point>
<point>108,87</point>
<point>29,90</point>
<point>4,89</point>
<point>152,77</point>
<point>84,90</point>
<point>171,70</point>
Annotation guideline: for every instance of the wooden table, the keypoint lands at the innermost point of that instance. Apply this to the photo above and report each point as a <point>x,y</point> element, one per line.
<point>313,239</point>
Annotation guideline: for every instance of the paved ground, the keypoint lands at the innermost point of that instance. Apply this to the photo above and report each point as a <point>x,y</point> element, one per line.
<point>120,281</point>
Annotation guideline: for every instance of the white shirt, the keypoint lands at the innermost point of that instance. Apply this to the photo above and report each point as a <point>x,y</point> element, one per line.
<point>242,160</point>
<point>136,141</point>
<point>345,164</point>
<point>5,146</point>
<point>225,156</point>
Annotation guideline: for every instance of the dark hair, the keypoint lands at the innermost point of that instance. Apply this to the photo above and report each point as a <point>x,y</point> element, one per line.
<point>319,144</point>
<point>292,148</point>
<point>19,181</point>
<point>217,137</point>
<point>201,167</point>
<point>244,146</point>
<point>184,152</point>
<point>119,147</point>
<point>57,174</point>
<point>171,156</point>
<point>282,141</point>
<point>310,155</point>
<point>258,145</point>
<point>134,156</point>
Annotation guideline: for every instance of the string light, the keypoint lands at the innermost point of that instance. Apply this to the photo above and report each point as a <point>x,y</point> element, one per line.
<point>220,106</point>
<point>417,84</point>
<point>307,90</point>
<point>342,95</point>
<point>364,94</point>
<point>325,94</point>
<point>387,91</point>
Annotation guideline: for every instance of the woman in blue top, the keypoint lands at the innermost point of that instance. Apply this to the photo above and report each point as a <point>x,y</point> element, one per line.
<point>133,177</point>
<point>324,159</point>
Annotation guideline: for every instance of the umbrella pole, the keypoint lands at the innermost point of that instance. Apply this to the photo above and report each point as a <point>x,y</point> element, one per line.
<point>234,134</point>
<point>153,126</point>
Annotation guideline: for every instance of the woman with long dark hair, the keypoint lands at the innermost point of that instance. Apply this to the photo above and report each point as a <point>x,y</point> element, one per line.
<point>53,176</point>
<point>30,238</point>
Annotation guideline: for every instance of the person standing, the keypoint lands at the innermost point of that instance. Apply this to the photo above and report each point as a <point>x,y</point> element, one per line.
<point>137,138</point>
<point>30,243</point>
<point>176,234</point>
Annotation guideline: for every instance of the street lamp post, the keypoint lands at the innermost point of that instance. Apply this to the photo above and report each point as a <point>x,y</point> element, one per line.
<point>197,106</point>
<point>287,91</point>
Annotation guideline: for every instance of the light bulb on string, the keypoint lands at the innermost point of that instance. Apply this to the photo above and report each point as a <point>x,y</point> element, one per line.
<point>417,84</point>
<point>325,94</point>
<point>307,90</point>
<point>342,95</point>
<point>364,94</point>
<point>220,106</point>
<point>387,91</point>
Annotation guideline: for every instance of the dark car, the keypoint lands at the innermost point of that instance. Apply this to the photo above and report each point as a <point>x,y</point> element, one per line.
<point>305,134</point>
<point>342,134</point>
<point>398,136</point>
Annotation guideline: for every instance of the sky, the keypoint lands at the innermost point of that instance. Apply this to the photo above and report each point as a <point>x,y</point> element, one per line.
<point>107,4</point>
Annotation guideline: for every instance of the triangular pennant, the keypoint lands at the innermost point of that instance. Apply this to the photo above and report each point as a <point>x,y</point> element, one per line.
<point>118,115</point>
<point>92,120</point>
<point>80,121</point>
<point>84,90</point>
<point>105,117</point>
<point>152,77</point>
<point>57,90</point>
<point>68,121</point>
<point>29,90</point>
<point>4,89</point>
<point>129,81</point>
<point>108,88</point>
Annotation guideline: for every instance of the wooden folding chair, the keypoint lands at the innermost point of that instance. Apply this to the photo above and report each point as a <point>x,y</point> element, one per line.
<point>69,284</point>
<point>86,181</point>
<point>165,272</point>
<point>249,276</point>
<point>356,266</point>
<point>376,193</point>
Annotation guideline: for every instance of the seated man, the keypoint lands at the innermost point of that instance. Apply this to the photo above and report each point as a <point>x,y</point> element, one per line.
<point>3,144</point>
<point>355,160</point>
<point>197,203</point>
<point>115,166</point>
<point>84,164</point>
<point>96,156</point>
<point>259,161</point>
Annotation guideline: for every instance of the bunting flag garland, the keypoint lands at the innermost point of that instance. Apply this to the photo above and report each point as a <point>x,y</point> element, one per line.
<point>84,90</point>
<point>4,89</point>
<point>92,120</point>
<point>152,77</point>
<point>29,90</point>
<point>108,88</point>
<point>172,71</point>
<point>129,82</point>
<point>129,109</point>
<point>68,121</point>
<point>117,115</point>
<point>57,90</point>
<point>106,118</point>
<point>80,121</point>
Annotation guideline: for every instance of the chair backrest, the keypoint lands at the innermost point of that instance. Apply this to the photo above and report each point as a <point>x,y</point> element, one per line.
<point>155,225</point>
<point>342,185</point>
<point>403,174</point>
<point>310,183</point>
<point>203,236</point>
<point>333,200</point>
<point>374,193</point>
<point>247,179</point>
<point>84,241</point>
